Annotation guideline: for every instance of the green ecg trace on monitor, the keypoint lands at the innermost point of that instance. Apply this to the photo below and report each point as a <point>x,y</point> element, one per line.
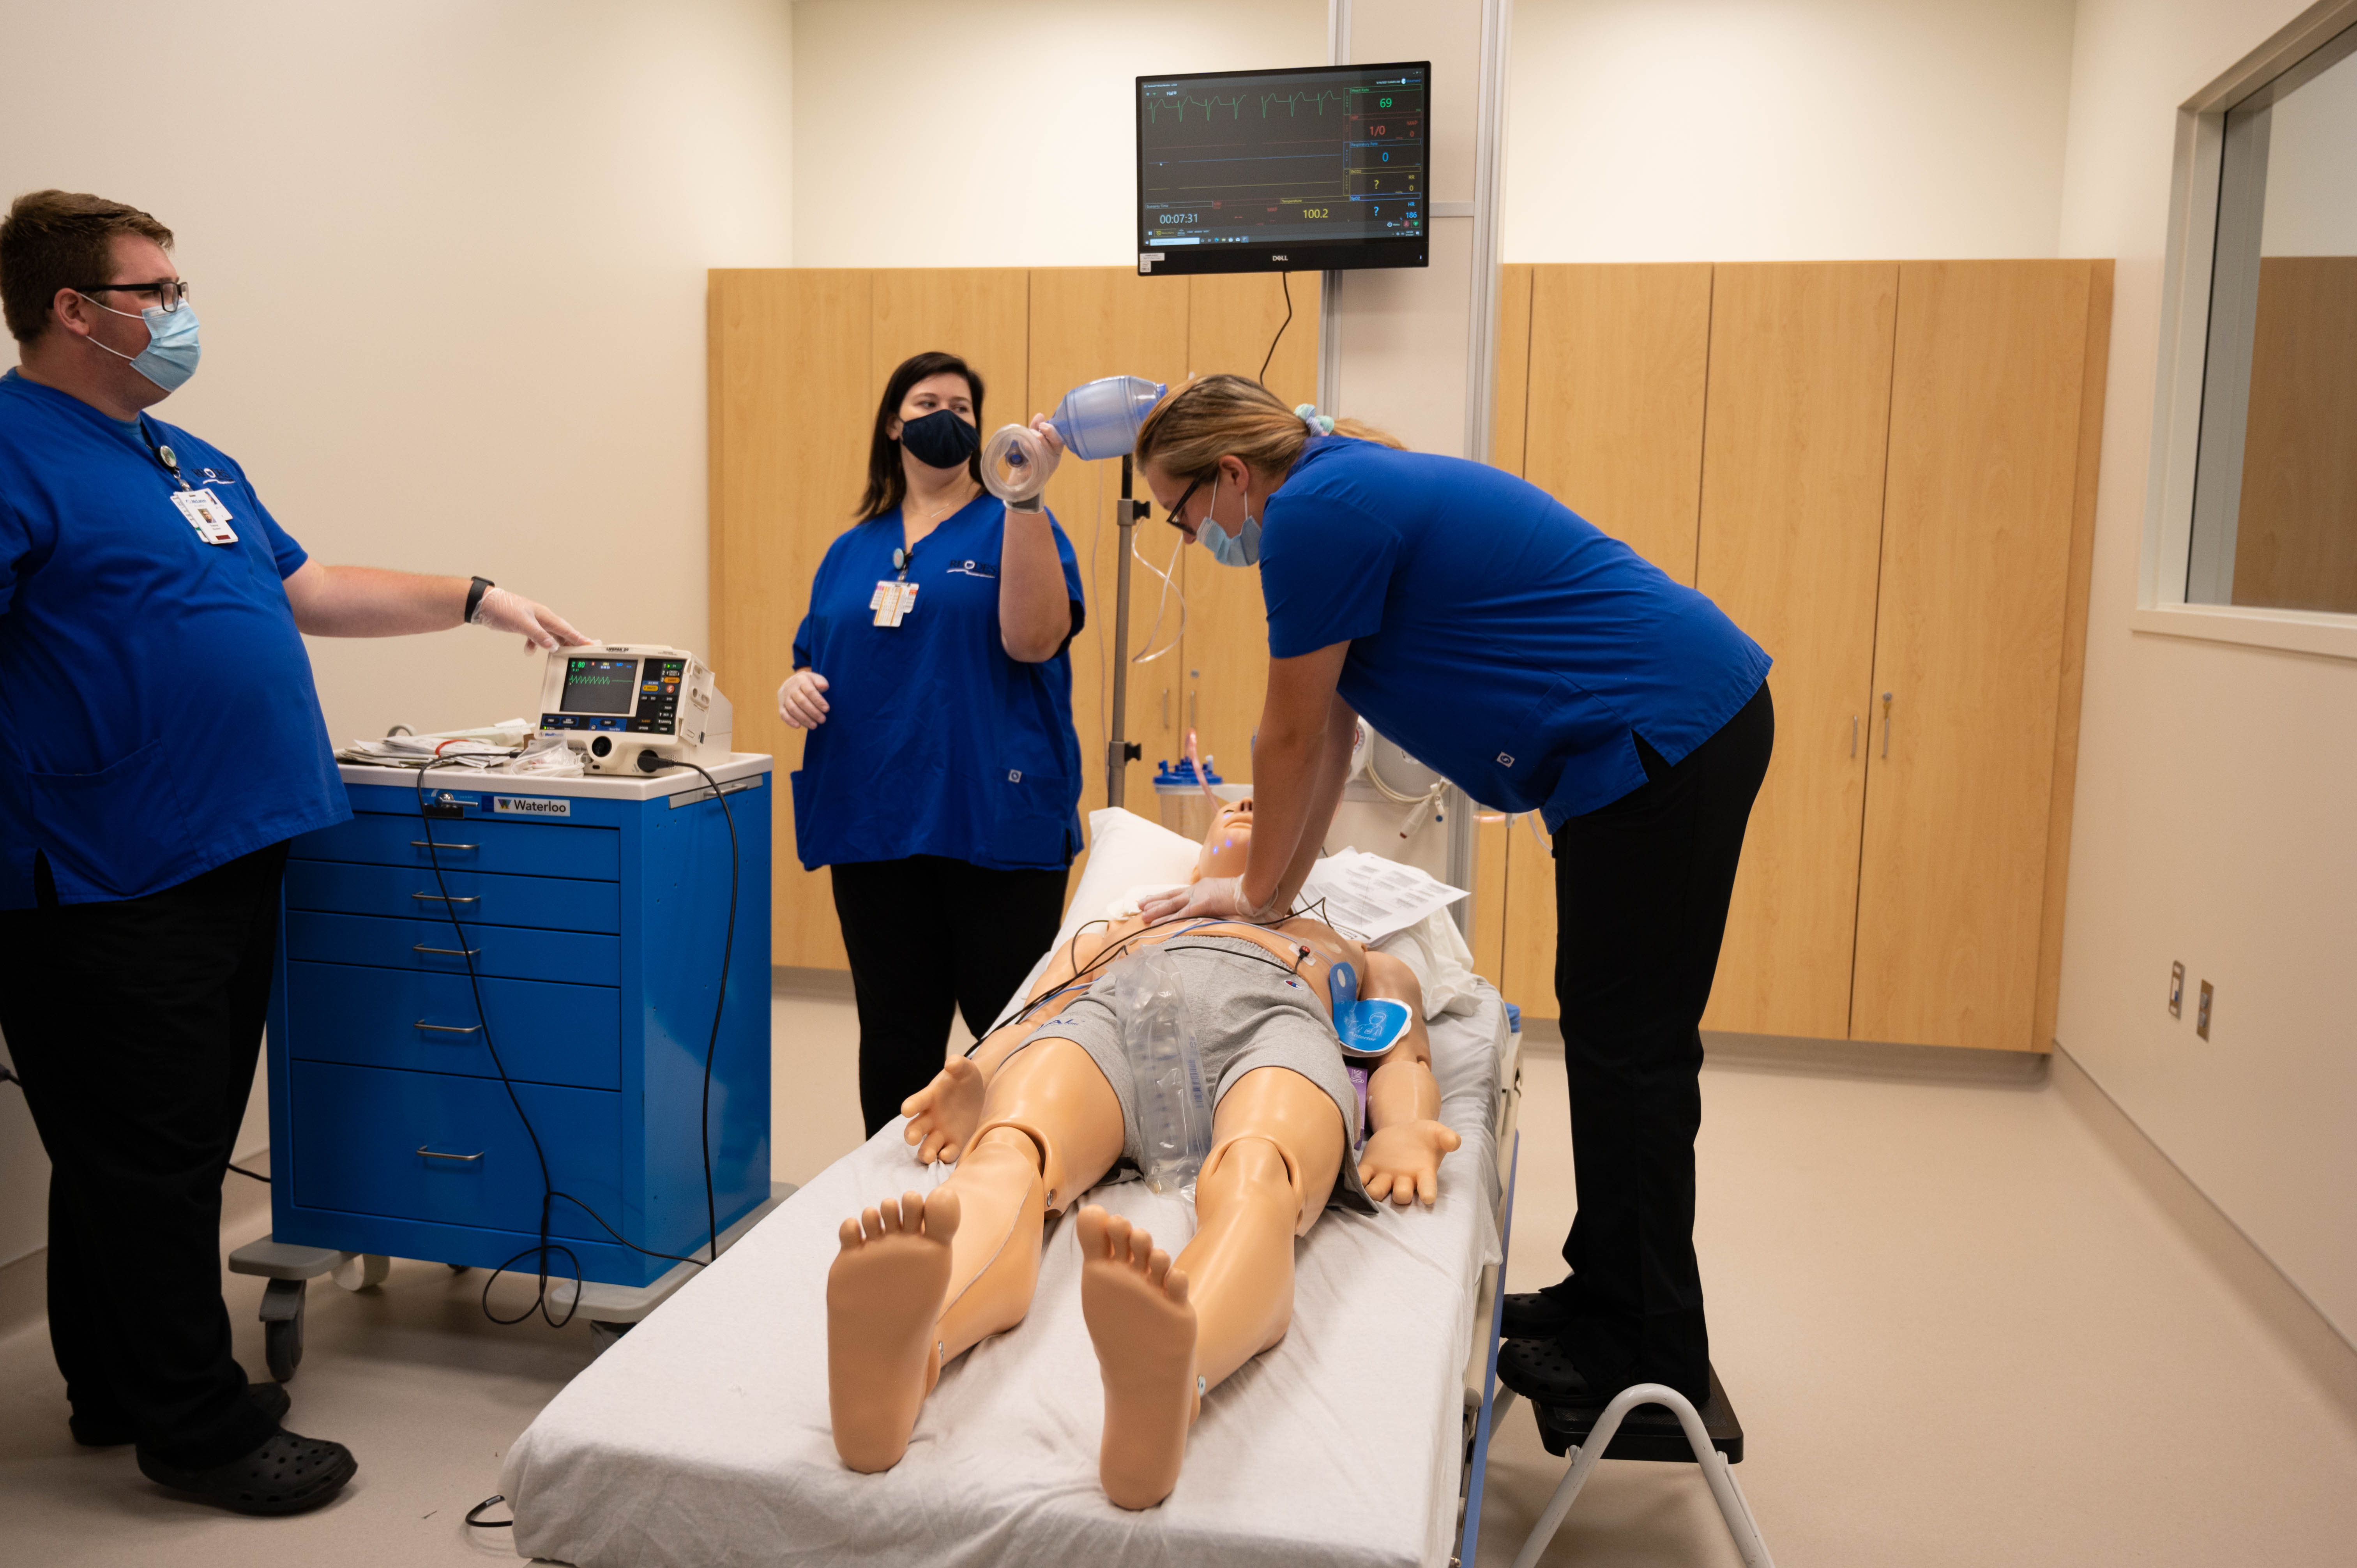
<point>1249,170</point>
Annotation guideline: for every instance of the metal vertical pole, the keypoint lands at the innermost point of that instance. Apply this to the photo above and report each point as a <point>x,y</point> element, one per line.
<point>1329,286</point>
<point>1120,749</point>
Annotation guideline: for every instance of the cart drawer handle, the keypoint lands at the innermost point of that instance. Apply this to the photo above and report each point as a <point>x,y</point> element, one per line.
<point>444,898</point>
<point>449,1028</point>
<point>435,843</point>
<point>462,1159</point>
<point>454,952</point>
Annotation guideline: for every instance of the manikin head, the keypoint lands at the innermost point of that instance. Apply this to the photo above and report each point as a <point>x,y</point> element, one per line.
<point>1227,843</point>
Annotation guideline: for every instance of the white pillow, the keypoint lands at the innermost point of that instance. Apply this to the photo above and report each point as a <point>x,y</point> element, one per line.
<point>1125,851</point>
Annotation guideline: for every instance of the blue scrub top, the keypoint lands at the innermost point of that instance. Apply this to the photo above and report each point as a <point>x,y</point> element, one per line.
<point>155,700</point>
<point>1496,636</point>
<point>935,741</point>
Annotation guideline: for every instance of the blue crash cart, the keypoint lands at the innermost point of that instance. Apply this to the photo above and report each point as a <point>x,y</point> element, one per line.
<point>594,911</point>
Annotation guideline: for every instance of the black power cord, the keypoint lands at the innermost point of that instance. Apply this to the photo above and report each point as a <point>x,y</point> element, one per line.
<point>542,1247</point>
<point>1263,377</point>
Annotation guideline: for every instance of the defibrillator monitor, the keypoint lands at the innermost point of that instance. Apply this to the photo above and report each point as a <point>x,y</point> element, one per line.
<point>616,703</point>
<point>1321,168</point>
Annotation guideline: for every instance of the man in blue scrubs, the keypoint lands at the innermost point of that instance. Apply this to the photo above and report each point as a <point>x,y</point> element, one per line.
<point>164,741</point>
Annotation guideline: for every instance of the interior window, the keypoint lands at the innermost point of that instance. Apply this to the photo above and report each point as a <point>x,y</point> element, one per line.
<point>2275,498</point>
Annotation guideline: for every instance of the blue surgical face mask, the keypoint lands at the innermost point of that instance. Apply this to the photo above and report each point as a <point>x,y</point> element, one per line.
<point>1239,548</point>
<point>170,357</point>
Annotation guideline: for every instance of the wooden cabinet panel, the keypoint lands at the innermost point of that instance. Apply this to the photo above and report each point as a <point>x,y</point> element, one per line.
<point>1986,385</point>
<point>2295,541</point>
<point>1792,531</point>
<point>790,411</point>
<point>1088,322</point>
<point>1220,677</point>
<point>1618,356</point>
<point>980,314</point>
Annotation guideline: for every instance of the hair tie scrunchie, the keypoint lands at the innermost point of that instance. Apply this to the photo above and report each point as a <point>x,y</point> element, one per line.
<point>1319,424</point>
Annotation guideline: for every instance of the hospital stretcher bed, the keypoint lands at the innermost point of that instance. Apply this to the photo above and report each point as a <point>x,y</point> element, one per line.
<point>703,1437</point>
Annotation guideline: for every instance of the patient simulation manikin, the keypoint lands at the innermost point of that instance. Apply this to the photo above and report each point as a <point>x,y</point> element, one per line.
<point>1035,1117</point>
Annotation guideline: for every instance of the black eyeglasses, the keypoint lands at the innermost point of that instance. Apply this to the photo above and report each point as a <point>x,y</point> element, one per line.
<point>1184,497</point>
<point>168,295</point>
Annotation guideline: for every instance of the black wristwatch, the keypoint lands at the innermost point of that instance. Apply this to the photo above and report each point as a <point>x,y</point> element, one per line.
<point>475,598</point>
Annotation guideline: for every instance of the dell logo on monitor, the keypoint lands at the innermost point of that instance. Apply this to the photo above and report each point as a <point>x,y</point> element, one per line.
<point>1280,258</point>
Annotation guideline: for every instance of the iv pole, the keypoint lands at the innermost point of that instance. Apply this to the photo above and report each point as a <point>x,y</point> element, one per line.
<point>1120,752</point>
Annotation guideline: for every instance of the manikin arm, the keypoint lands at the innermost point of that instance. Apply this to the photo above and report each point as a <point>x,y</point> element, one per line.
<point>1401,1159</point>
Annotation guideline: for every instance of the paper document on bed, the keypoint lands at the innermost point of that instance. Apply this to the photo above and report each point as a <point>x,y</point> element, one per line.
<point>1369,898</point>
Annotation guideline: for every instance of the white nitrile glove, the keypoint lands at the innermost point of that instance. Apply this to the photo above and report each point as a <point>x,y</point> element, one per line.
<point>1213,899</point>
<point>799,702</point>
<point>540,626</point>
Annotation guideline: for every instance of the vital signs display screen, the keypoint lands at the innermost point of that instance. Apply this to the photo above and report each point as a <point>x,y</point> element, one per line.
<point>599,685</point>
<point>1318,168</point>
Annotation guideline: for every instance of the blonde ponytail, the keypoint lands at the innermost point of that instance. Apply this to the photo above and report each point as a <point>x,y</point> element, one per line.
<point>1221,416</point>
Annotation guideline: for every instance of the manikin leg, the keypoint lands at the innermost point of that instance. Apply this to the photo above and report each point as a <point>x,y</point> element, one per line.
<point>922,1281</point>
<point>1166,1332</point>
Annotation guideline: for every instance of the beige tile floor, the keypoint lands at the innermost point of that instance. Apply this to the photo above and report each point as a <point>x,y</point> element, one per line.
<point>1958,1330</point>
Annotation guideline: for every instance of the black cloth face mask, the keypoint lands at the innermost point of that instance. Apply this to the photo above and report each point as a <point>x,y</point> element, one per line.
<point>941,439</point>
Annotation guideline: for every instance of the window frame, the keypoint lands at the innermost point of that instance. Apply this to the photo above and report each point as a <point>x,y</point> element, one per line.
<point>2188,272</point>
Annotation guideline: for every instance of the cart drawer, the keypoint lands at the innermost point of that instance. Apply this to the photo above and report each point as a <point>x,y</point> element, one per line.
<point>359,1131</point>
<point>513,953</point>
<point>472,844</point>
<point>558,903</point>
<point>544,1033</point>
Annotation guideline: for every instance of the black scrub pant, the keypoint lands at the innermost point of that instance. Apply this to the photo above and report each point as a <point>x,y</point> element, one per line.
<point>1642,890</point>
<point>135,1025</point>
<point>928,937</point>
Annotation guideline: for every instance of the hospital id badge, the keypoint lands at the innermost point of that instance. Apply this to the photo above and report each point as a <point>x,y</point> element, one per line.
<point>892,601</point>
<point>205,515</point>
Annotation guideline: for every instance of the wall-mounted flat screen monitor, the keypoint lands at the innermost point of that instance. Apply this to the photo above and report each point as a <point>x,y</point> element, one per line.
<point>1317,169</point>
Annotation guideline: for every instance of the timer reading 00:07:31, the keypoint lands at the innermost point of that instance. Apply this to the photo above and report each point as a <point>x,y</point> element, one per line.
<point>1178,217</point>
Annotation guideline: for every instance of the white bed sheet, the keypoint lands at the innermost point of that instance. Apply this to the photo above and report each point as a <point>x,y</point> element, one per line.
<point>701,1438</point>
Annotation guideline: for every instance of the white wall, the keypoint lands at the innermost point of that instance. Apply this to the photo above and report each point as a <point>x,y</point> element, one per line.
<point>2214,822</point>
<point>941,132</point>
<point>450,260</point>
<point>1729,130</point>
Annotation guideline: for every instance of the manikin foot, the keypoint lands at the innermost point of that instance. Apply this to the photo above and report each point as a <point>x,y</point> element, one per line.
<point>1135,1305</point>
<point>883,1297</point>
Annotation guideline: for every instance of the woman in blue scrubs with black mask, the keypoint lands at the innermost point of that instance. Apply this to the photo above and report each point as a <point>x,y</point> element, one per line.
<point>941,778</point>
<point>1546,666</point>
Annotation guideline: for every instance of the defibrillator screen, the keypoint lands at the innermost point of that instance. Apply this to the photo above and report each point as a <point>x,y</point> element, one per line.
<point>598,686</point>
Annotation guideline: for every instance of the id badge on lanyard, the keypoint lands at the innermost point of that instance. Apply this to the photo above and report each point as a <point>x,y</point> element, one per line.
<point>892,601</point>
<point>205,515</point>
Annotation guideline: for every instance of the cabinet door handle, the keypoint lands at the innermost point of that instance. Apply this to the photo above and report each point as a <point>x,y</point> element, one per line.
<point>423,843</point>
<point>442,898</point>
<point>451,952</point>
<point>1166,707</point>
<point>449,1028</point>
<point>1853,735</point>
<point>1192,711</point>
<point>1886,723</point>
<point>462,1159</point>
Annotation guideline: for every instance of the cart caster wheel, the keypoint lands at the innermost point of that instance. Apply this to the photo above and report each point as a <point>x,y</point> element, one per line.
<point>603,1334</point>
<point>282,1327</point>
<point>361,1270</point>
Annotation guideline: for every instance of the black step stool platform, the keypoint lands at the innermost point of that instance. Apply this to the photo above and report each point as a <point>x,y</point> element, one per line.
<point>1648,1431</point>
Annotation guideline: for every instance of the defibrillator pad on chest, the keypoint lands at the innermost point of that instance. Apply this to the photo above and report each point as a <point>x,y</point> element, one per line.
<point>1367,1026</point>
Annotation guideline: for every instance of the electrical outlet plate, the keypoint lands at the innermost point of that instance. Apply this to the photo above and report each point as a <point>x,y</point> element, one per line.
<point>2201,1017</point>
<point>2177,991</point>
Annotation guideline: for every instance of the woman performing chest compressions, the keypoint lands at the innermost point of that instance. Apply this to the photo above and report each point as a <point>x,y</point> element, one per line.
<point>1542,666</point>
<point>942,776</point>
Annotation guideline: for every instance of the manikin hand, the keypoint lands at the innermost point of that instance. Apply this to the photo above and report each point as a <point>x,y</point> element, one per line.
<point>1214,899</point>
<point>799,702</point>
<point>943,1114</point>
<point>540,626</point>
<point>1401,1162</point>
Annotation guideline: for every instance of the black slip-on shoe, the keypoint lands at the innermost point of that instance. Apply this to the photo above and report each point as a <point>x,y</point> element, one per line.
<point>1539,1372</point>
<point>288,1474</point>
<point>1533,1315</point>
<point>270,1399</point>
